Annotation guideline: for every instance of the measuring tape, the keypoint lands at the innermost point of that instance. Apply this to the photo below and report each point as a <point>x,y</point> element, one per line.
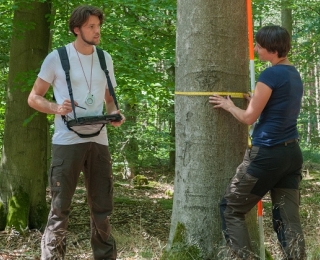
<point>231,94</point>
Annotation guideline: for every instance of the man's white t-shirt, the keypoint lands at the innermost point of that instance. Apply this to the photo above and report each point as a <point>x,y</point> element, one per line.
<point>53,73</point>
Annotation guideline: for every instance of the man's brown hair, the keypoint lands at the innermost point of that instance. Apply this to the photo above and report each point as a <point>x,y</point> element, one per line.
<point>81,14</point>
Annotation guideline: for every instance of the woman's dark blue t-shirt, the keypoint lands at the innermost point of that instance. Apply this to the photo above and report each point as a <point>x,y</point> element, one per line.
<point>278,120</point>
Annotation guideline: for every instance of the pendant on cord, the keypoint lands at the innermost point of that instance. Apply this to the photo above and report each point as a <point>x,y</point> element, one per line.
<point>89,99</point>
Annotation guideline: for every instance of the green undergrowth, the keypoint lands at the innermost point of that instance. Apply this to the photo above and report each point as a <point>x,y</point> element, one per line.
<point>164,203</point>
<point>139,218</point>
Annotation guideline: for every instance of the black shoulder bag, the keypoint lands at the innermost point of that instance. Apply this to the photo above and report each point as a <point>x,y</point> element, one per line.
<point>83,126</point>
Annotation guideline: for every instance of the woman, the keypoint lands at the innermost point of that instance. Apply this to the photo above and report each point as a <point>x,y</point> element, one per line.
<point>274,161</point>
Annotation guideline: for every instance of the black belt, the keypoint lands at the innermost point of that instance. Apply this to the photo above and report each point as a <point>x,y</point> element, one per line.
<point>289,142</point>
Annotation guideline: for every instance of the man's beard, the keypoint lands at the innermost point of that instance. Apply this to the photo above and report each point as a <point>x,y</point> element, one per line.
<point>87,41</point>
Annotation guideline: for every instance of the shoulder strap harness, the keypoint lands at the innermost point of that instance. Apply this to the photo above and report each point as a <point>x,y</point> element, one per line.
<point>66,67</point>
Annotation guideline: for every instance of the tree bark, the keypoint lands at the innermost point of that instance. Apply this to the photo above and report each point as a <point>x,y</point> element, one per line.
<point>24,155</point>
<point>211,55</point>
<point>286,15</point>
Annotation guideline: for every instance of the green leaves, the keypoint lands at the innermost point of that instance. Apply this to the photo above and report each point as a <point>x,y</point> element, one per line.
<point>305,55</point>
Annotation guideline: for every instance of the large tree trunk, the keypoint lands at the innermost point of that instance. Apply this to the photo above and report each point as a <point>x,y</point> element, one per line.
<point>24,155</point>
<point>211,55</point>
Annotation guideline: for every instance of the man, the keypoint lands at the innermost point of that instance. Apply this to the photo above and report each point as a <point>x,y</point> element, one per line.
<point>72,154</point>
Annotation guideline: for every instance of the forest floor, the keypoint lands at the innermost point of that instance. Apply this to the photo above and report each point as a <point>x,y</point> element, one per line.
<point>141,222</point>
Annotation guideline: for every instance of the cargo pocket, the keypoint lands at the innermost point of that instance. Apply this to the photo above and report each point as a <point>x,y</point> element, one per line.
<point>55,175</point>
<point>242,184</point>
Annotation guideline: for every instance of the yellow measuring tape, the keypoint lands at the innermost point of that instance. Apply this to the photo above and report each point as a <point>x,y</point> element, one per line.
<point>231,94</point>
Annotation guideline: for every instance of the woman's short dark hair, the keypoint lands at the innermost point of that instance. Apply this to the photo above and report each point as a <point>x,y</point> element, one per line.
<point>274,38</point>
<point>81,14</point>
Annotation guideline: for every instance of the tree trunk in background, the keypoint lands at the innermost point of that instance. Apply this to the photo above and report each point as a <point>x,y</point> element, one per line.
<point>313,129</point>
<point>286,15</point>
<point>211,55</point>
<point>317,97</point>
<point>24,156</point>
<point>131,148</point>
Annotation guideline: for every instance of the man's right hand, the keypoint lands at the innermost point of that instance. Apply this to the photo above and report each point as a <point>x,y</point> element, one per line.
<point>65,107</point>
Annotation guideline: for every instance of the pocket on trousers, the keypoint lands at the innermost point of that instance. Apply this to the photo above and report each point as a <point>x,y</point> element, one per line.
<point>242,184</point>
<point>55,174</point>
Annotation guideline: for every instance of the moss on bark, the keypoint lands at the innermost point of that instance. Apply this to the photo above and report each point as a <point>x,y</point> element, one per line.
<point>180,248</point>
<point>18,210</point>
<point>2,217</point>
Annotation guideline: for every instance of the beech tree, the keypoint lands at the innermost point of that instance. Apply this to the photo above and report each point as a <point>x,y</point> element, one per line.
<point>24,154</point>
<point>211,56</point>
